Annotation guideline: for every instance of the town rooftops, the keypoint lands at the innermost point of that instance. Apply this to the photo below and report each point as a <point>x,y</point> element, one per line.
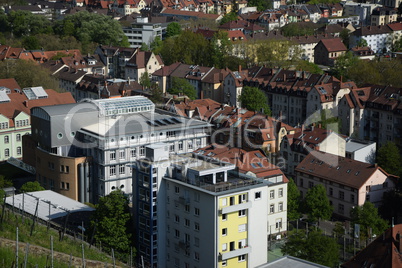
<point>338,169</point>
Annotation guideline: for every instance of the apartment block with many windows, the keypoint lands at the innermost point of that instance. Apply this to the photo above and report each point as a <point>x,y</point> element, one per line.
<point>193,211</point>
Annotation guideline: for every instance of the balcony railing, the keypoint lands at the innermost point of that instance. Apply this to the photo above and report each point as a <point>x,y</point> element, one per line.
<point>235,253</point>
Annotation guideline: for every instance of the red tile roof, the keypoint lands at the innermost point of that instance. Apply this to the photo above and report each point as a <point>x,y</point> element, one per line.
<point>10,83</point>
<point>334,44</point>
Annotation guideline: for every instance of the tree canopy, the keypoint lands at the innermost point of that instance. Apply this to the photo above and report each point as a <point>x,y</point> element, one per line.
<point>111,221</point>
<point>28,74</point>
<point>182,86</point>
<point>293,201</point>
<point>316,248</point>
<point>31,186</point>
<point>298,29</point>
<point>260,4</point>
<point>368,218</point>
<point>253,99</point>
<point>173,29</point>
<point>389,158</point>
<point>231,16</point>
<point>144,80</point>
<point>316,204</point>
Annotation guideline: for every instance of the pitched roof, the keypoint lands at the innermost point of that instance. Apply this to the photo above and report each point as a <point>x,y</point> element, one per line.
<point>337,169</point>
<point>384,251</point>
<point>20,103</point>
<point>397,26</point>
<point>10,83</point>
<point>333,44</point>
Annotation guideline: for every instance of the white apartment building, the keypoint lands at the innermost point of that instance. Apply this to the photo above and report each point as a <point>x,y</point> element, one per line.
<point>195,211</point>
<point>378,38</point>
<point>114,133</point>
<point>142,31</point>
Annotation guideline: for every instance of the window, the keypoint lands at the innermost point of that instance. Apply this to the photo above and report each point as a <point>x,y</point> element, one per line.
<point>6,139</point>
<point>301,183</point>
<point>19,150</point>
<point>341,195</point>
<point>176,218</point>
<point>112,170</point>
<point>7,152</point>
<point>62,168</point>
<point>272,194</point>
<point>224,247</point>
<point>271,208</point>
<point>242,198</point>
<point>18,137</point>
<point>176,233</point>
<point>196,256</point>
<point>196,226</point>
<point>142,150</point>
<point>341,208</point>
<point>242,228</point>
<point>224,202</point>
<point>122,154</point>
<point>224,232</point>
<point>177,189</point>
<point>280,192</point>
<point>122,169</point>
<point>280,206</point>
<point>352,198</point>
<point>310,184</point>
<point>187,208</point>
<point>258,195</point>
<point>133,152</point>
<point>180,145</point>
<point>113,155</point>
<point>241,258</point>
<point>197,211</point>
<point>187,222</point>
<point>67,169</point>
<point>242,213</point>
<point>278,224</point>
<point>171,148</point>
<point>331,191</point>
<point>196,241</point>
<point>232,200</point>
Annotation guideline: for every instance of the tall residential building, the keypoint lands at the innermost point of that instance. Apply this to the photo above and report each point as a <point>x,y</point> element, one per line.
<point>104,136</point>
<point>15,112</point>
<point>142,31</point>
<point>197,211</point>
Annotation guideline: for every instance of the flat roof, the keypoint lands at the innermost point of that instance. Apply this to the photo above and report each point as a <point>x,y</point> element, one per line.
<point>60,205</point>
<point>354,145</point>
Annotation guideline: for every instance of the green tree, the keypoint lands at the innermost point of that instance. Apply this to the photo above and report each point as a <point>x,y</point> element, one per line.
<point>30,42</point>
<point>111,221</point>
<point>173,29</point>
<point>344,35</point>
<point>157,94</point>
<point>144,47</point>
<point>254,99</point>
<point>368,218</point>
<point>389,158</point>
<point>231,16</point>
<point>339,230</point>
<point>24,23</point>
<point>31,186</point>
<point>343,63</point>
<point>277,53</point>
<point>28,74</point>
<point>182,86</point>
<point>156,45</point>
<point>144,80</point>
<point>188,47</point>
<point>260,4</point>
<point>298,29</point>
<point>316,204</point>
<point>362,43</point>
<point>316,248</point>
<point>293,201</point>
<point>391,206</point>
<point>221,47</point>
<point>309,67</point>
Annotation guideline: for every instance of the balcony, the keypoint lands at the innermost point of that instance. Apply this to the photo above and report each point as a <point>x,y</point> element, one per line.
<point>183,200</point>
<point>235,253</point>
<point>184,244</point>
<point>229,209</point>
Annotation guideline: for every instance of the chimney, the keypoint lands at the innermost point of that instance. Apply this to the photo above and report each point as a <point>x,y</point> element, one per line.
<point>302,127</point>
<point>201,94</point>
